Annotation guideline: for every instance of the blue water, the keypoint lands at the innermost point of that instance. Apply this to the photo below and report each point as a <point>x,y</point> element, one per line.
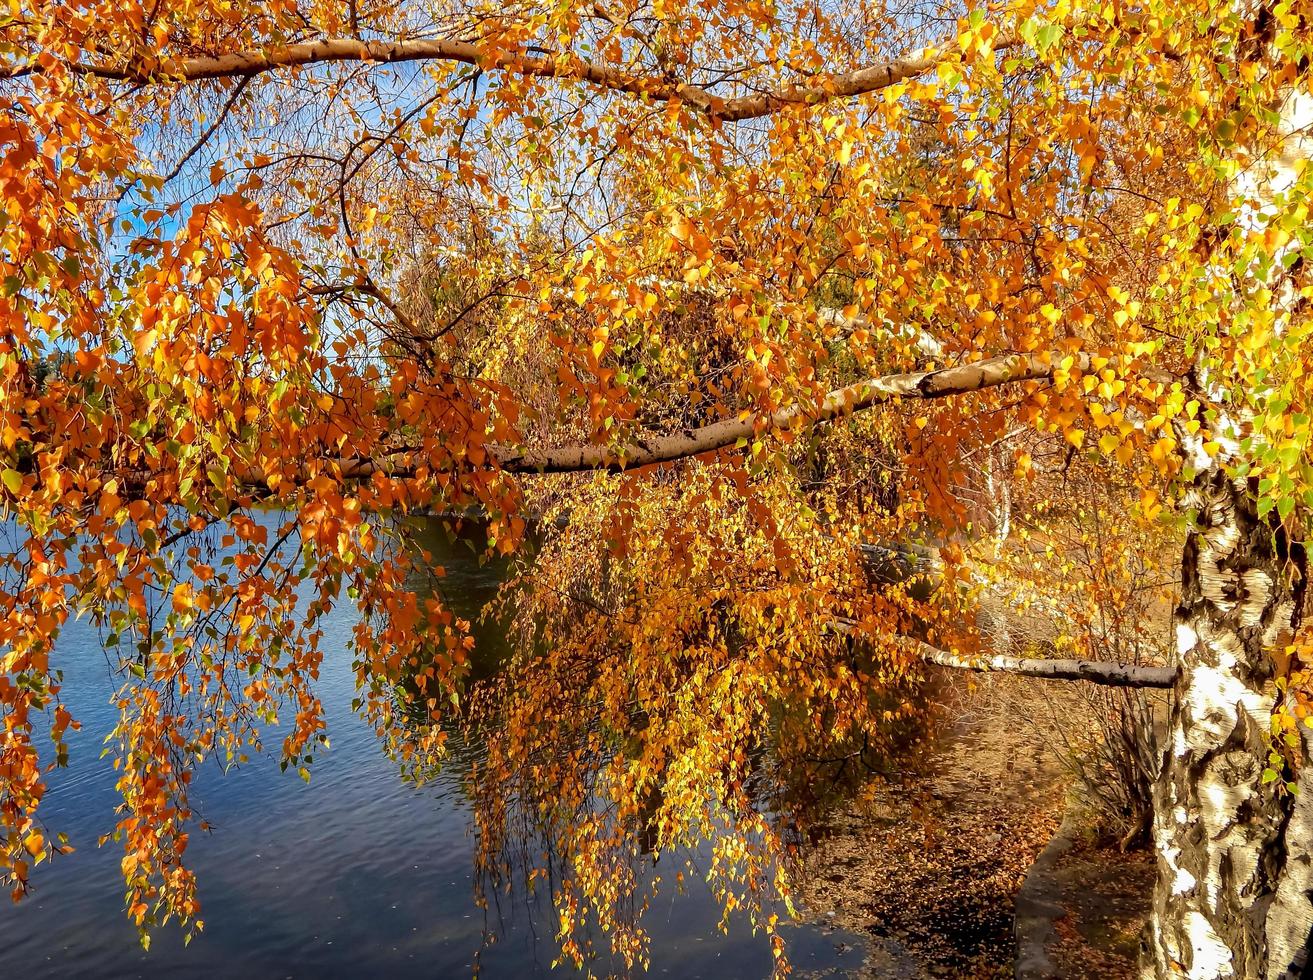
<point>357,874</point>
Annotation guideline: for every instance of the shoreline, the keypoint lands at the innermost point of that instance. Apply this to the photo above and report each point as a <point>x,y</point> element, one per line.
<point>930,868</point>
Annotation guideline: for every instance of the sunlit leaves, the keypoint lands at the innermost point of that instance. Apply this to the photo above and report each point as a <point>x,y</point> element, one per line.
<point>252,318</point>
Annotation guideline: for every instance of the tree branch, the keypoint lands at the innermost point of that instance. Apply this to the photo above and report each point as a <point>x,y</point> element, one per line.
<point>210,130</point>
<point>1094,671</point>
<point>957,380</point>
<point>253,62</point>
<point>1100,672</point>
<point>649,450</point>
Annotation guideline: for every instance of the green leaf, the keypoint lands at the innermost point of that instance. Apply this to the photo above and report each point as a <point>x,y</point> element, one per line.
<point>1284,506</point>
<point>1047,36</point>
<point>13,480</point>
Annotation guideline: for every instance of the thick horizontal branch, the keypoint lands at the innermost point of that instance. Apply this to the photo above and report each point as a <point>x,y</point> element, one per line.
<point>248,63</point>
<point>650,450</point>
<point>1094,671</point>
<point>957,380</point>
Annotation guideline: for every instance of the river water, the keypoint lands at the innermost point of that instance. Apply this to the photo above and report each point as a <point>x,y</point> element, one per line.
<point>357,874</point>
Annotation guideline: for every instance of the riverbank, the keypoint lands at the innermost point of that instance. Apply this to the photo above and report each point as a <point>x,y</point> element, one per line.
<point>930,865</point>
<point>1083,909</point>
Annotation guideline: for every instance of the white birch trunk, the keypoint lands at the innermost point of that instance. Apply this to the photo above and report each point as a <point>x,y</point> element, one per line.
<point>1234,897</point>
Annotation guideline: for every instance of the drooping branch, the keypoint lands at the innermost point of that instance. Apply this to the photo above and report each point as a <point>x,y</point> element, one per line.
<point>1094,671</point>
<point>251,62</point>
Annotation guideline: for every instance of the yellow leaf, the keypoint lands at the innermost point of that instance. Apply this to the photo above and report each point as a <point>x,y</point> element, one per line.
<point>144,340</point>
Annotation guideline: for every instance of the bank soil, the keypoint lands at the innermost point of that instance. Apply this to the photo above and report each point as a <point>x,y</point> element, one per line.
<point>1106,896</point>
<point>929,863</point>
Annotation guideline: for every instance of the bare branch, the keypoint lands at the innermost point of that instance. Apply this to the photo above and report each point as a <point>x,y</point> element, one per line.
<point>1094,671</point>
<point>210,130</point>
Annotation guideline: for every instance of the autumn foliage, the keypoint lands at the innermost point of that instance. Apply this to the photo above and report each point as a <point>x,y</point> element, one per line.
<point>347,263</point>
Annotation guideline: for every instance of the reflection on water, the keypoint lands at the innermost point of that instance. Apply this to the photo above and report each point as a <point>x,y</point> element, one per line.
<point>357,874</point>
